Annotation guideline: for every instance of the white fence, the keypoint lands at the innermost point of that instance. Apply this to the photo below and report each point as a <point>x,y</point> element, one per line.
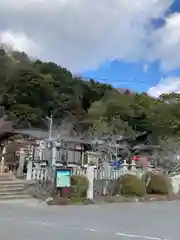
<point>108,173</point>
<point>41,173</point>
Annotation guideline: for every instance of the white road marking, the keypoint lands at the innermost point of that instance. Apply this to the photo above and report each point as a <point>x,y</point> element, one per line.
<point>39,223</point>
<point>91,230</point>
<point>139,236</point>
<point>53,224</point>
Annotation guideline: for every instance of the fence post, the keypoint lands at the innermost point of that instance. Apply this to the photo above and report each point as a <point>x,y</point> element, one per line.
<point>90,176</point>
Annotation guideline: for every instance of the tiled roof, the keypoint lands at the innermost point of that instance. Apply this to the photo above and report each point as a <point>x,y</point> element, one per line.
<point>123,90</point>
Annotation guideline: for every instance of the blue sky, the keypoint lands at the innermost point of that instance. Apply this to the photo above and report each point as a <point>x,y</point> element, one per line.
<point>139,76</point>
<point>131,44</point>
<point>135,76</point>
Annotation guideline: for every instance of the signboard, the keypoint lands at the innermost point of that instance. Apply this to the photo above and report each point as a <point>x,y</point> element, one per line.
<point>63,178</point>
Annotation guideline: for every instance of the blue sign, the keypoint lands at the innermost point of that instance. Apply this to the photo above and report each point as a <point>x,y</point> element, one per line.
<point>115,164</point>
<point>63,178</point>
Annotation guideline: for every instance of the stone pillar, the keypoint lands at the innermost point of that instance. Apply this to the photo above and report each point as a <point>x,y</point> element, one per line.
<point>52,167</point>
<point>124,168</point>
<point>29,170</point>
<point>175,182</point>
<point>90,176</point>
<point>149,168</point>
<point>41,150</point>
<point>3,158</point>
<point>36,151</point>
<point>125,165</point>
<point>133,166</point>
<point>21,163</point>
<point>49,146</point>
<point>82,158</point>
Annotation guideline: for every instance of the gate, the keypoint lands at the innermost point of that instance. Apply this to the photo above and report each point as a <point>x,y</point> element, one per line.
<point>105,182</point>
<point>104,187</point>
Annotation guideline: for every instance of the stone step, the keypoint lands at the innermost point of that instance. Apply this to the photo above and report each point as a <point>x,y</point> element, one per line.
<point>11,189</point>
<point>5,177</point>
<point>13,182</point>
<point>6,174</point>
<point>5,180</point>
<point>15,196</point>
<point>11,185</point>
<point>9,193</point>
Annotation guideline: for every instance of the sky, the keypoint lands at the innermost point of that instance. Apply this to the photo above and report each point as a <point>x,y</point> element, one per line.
<point>132,44</point>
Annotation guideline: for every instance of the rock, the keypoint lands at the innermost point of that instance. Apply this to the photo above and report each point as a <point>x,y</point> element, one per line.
<point>49,199</point>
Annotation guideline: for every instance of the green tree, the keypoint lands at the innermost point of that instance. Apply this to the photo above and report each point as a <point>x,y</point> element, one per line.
<point>30,90</point>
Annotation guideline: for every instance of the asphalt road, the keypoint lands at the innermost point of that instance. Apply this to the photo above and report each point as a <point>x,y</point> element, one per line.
<point>27,220</point>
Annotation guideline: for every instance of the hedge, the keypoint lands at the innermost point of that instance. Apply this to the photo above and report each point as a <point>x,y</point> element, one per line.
<point>79,186</point>
<point>130,185</point>
<point>158,183</point>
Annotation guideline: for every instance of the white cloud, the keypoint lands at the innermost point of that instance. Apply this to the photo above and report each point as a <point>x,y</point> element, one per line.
<point>145,68</point>
<point>167,43</point>
<point>18,41</point>
<point>167,85</point>
<point>81,34</point>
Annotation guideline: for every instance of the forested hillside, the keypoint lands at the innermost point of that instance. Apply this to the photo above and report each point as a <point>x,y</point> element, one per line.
<point>31,90</point>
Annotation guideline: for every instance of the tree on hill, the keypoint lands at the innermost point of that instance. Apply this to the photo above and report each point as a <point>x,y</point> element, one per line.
<point>31,90</point>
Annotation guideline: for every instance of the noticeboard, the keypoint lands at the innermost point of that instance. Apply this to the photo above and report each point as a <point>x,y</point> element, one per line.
<point>63,178</point>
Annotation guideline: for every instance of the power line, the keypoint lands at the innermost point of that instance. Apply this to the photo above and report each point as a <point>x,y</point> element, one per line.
<point>114,80</point>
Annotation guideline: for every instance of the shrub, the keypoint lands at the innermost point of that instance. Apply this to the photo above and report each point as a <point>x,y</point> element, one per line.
<point>158,183</point>
<point>130,185</point>
<point>79,186</point>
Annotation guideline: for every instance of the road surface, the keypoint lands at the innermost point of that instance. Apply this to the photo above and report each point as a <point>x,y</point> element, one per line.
<point>27,220</point>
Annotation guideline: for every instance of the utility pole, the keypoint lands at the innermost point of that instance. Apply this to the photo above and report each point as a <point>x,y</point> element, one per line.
<point>50,125</point>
